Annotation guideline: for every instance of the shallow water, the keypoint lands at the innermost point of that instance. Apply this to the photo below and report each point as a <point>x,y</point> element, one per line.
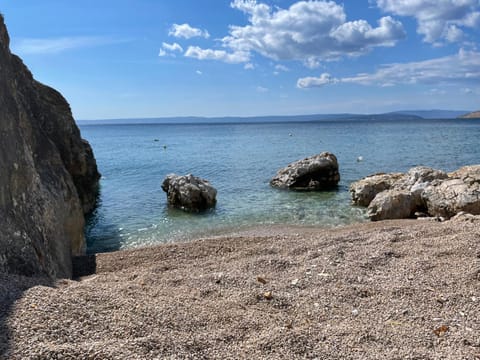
<point>240,159</point>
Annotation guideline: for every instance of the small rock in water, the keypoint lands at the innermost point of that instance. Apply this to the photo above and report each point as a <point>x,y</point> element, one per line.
<point>189,192</point>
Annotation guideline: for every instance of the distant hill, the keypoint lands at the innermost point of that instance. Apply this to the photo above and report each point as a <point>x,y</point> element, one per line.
<point>253,119</point>
<point>434,114</point>
<point>219,120</point>
<point>472,115</point>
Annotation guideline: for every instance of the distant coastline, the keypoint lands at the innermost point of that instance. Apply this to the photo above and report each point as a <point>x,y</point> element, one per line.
<point>391,116</point>
<point>472,115</point>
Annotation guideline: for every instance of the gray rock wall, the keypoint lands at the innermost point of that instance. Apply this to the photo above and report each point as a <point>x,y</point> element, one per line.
<point>48,175</point>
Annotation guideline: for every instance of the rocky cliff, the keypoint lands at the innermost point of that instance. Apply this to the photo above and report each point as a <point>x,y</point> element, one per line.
<point>48,175</point>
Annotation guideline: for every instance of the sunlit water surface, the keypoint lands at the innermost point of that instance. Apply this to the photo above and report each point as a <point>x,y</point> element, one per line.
<point>240,159</point>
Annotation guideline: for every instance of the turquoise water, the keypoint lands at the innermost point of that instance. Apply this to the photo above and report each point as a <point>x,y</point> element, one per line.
<point>240,159</point>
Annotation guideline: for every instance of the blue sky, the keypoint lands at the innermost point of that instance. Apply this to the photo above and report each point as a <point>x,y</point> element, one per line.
<point>152,58</point>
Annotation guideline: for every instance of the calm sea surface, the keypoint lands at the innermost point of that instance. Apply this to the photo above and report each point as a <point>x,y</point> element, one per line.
<point>240,159</point>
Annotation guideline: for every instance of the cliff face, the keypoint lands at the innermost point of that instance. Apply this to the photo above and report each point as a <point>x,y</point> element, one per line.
<point>48,175</point>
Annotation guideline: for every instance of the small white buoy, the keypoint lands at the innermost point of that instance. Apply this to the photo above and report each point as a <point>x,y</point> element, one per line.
<point>360,158</point>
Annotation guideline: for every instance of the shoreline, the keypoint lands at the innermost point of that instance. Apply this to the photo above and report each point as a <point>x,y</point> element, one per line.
<point>219,231</point>
<point>390,289</point>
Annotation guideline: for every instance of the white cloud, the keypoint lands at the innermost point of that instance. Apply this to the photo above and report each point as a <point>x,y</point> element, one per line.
<point>459,69</point>
<point>311,62</point>
<point>437,19</point>
<point>221,55</point>
<point>172,47</point>
<point>58,45</point>
<point>453,34</point>
<point>280,67</point>
<point>169,49</point>
<point>249,66</point>
<point>322,80</point>
<point>198,72</point>
<point>261,89</point>
<point>308,31</point>
<point>186,31</point>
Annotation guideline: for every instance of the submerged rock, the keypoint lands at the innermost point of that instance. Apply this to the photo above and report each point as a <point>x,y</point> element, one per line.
<point>48,175</point>
<point>422,190</point>
<point>189,193</point>
<point>318,172</point>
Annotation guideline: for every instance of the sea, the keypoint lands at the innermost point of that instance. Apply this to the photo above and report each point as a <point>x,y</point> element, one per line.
<point>239,159</point>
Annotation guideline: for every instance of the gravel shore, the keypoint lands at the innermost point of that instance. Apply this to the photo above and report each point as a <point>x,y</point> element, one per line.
<point>405,289</point>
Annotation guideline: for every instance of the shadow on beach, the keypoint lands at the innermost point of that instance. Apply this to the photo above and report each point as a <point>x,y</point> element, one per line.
<point>12,288</point>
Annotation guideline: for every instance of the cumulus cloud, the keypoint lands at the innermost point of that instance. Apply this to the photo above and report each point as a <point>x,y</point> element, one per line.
<point>322,80</point>
<point>437,19</point>
<point>221,55</point>
<point>187,32</point>
<point>462,68</point>
<point>249,66</point>
<point>308,31</point>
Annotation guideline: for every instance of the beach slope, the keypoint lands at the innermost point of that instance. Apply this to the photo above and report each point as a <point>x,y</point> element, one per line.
<point>407,289</point>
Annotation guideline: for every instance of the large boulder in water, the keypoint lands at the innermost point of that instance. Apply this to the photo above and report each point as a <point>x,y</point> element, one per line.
<point>318,172</point>
<point>189,193</point>
<point>48,175</point>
